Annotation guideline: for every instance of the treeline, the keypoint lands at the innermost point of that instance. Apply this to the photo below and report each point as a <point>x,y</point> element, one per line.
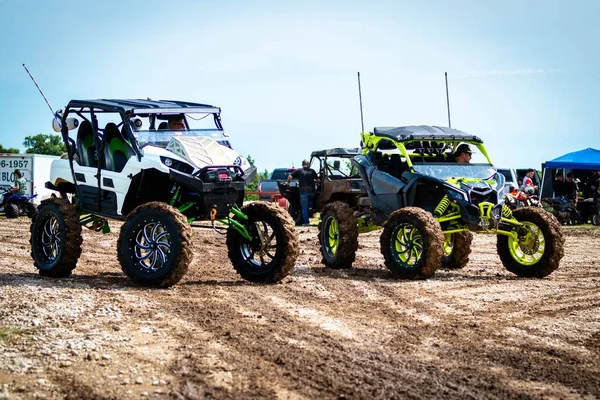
<point>253,186</point>
<point>40,144</point>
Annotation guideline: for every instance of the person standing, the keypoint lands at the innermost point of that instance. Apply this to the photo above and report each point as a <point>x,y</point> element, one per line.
<point>571,188</point>
<point>307,179</point>
<point>559,185</point>
<point>528,186</point>
<point>591,185</point>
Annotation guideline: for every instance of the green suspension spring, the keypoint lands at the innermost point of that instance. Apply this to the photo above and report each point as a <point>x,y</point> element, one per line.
<point>506,213</point>
<point>442,207</point>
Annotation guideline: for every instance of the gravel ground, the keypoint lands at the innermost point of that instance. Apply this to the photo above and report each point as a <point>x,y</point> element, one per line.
<point>479,332</point>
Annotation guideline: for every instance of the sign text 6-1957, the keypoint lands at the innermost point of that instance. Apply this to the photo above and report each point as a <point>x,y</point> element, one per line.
<point>14,163</point>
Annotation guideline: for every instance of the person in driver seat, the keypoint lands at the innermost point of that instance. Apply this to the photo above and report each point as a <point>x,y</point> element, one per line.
<point>463,154</point>
<point>176,123</point>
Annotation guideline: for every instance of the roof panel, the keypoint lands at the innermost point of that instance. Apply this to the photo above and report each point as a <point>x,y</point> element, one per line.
<point>121,105</point>
<point>338,151</point>
<point>424,132</point>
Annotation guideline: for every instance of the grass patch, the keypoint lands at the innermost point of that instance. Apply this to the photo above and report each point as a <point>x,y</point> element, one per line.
<point>11,335</point>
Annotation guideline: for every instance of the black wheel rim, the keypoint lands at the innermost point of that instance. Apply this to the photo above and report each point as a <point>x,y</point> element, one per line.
<point>261,250</point>
<point>51,239</point>
<point>152,246</point>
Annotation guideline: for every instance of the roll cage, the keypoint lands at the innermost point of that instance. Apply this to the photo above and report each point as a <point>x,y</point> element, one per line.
<point>413,149</point>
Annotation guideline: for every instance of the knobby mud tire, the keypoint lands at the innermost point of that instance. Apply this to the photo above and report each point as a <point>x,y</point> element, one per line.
<point>240,250</point>
<point>459,257</point>
<point>180,252</point>
<point>12,210</point>
<point>69,248</point>
<point>554,244</point>
<point>296,215</point>
<point>347,235</point>
<point>31,210</point>
<point>433,242</point>
<point>596,218</point>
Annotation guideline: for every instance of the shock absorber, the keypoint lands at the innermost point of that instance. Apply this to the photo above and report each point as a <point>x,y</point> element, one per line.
<point>442,207</point>
<point>506,212</point>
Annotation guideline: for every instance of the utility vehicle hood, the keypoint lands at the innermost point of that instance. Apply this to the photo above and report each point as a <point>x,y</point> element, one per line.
<point>200,151</point>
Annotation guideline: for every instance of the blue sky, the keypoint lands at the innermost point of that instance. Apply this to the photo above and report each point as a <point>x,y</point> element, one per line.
<point>522,74</point>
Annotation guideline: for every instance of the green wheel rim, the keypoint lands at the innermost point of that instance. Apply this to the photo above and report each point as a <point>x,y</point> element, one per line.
<point>448,244</point>
<point>528,249</point>
<point>332,238</point>
<point>407,246</point>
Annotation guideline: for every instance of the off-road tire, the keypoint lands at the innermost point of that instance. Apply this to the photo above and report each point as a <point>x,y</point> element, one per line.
<point>554,244</point>
<point>31,209</point>
<point>270,267</point>
<point>296,215</point>
<point>346,238</point>
<point>12,210</point>
<point>131,252</point>
<point>55,218</point>
<point>596,218</point>
<point>432,244</point>
<point>460,252</point>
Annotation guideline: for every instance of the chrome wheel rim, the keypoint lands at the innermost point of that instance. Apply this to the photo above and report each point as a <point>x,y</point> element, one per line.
<point>260,251</point>
<point>152,246</point>
<point>51,239</point>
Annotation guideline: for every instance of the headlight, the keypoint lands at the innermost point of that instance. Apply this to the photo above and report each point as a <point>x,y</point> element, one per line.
<point>455,194</point>
<point>178,165</point>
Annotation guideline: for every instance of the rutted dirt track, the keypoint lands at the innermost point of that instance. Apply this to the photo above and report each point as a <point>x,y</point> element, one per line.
<point>479,332</point>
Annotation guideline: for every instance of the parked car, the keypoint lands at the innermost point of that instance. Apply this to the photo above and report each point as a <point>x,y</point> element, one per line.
<point>510,176</point>
<point>268,189</point>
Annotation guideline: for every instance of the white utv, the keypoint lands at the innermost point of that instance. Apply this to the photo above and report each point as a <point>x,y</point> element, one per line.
<point>159,166</point>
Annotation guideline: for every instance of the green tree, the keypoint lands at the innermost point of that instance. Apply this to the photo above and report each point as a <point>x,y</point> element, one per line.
<point>44,144</point>
<point>8,149</point>
<point>253,186</point>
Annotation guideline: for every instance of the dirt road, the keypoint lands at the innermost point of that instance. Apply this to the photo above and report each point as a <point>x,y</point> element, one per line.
<point>479,332</point>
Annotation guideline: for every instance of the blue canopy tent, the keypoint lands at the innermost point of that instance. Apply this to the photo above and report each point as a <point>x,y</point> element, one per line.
<point>583,159</point>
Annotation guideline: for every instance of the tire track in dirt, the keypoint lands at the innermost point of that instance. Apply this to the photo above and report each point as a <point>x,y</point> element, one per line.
<point>479,332</point>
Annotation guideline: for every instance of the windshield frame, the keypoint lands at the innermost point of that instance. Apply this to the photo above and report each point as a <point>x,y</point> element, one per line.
<point>445,171</point>
<point>161,138</point>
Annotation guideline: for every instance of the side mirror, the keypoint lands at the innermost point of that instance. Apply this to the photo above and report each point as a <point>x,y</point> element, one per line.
<point>136,124</point>
<point>336,164</point>
<point>72,123</point>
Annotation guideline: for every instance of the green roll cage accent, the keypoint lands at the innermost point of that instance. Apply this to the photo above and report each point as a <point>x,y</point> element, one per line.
<point>371,142</point>
<point>94,223</point>
<point>485,208</point>
<point>235,210</point>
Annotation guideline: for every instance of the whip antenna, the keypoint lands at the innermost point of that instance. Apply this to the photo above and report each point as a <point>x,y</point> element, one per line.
<point>362,125</point>
<point>448,100</point>
<point>38,87</point>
